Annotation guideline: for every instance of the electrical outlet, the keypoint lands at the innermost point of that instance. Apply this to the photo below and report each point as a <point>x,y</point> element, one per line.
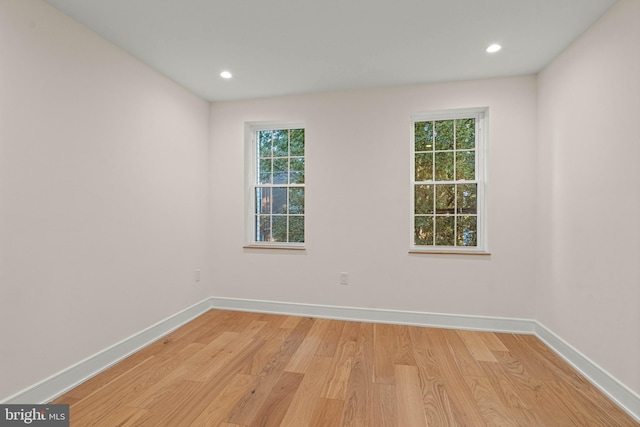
<point>196,275</point>
<point>344,278</point>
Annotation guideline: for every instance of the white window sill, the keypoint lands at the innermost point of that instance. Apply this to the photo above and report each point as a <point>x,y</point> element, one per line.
<point>445,252</point>
<point>276,247</point>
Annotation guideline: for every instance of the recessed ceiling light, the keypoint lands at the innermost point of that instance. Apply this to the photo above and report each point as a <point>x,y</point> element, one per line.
<point>225,75</point>
<point>494,48</point>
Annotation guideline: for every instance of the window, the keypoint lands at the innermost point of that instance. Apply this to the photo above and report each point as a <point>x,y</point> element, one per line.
<point>447,182</point>
<point>276,190</point>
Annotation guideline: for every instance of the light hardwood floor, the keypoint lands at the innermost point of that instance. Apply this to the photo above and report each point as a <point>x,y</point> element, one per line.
<point>234,369</point>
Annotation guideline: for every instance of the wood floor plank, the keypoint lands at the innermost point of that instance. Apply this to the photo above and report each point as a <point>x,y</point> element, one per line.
<point>329,343</point>
<point>208,391</point>
<point>123,416</point>
<point>102,381</point>
<point>492,341</point>
<point>384,406</point>
<point>383,369</point>
<point>409,397</point>
<point>419,336</point>
<point>532,399</point>
<point>223,349</point>
<point>530,360</point>
<point>116,394</point>
<point>303,356</point>
<point>403,348</point>
<point>177,405</point>
<point>328,413</point>
<point>465,362</point>
<point>239,321</point>
<point>290,322</point>
<point>249,405</point>
<point>504,386</point>
<point>336,383</point>
<point>235,369</point>
<point>166,347</point>
<point>463,404</point>
<point>437,404</point>
<point>267,352</point>
<point>494,414</point>
<point>476,346</point>
<point>275,407</point>
<point>219,408</point>
<point>557,368</point>
<point>518,371</point>
<point>205,333</point>
<point>169,378</point>
<point>359,393</point>
<point>308,394</point>
<point>580,409</point>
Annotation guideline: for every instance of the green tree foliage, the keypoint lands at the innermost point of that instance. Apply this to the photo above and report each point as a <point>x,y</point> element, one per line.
<point>280,206</point>
<point>445,207</point>
<point>423,230</point>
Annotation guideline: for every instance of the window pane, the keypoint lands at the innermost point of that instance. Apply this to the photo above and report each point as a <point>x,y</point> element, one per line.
<point>467,232</point>
<point>296,228</point>
<point>423,230</point>
<point>445,230</point>
<point>424,167</point>
<point>264,143</point>
<point>443,166</point>
<point>467,198</point>
<point>280,143</point>
<point>423,134</point>
<point>423,199</point>
<point>444,134</point>
<point>263,200</point>
<point>263,228</point>
<point>445,199</point>
<point>446,179</point>
<point>280,170</point>
<point>465,133</point>
<point>296,174</point>
<point>278,187</point>
<point>297,142</point>
<point>279,197</point>
<point>279,228</point>
<point>296,200</point>
<point>466,165</point>
<point>264,171</point>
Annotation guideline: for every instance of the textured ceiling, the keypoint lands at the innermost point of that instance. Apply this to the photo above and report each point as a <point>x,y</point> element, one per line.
<point>278,47</point>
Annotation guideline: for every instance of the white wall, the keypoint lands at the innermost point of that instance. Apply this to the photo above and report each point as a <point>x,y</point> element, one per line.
<point>589,204</point>
<point>105,205</point>
<point>103,189</point>
<point>357,203</point>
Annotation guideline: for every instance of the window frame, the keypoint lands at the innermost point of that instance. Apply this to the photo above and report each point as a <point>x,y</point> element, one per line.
<point>251,165</point>
<point>481,116</point>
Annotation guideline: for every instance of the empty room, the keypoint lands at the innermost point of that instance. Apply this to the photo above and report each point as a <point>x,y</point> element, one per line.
<point>337,213</point>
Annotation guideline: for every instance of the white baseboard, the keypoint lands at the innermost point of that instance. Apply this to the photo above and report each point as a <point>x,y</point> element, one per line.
<point>63,381</point>
<point>377,315</point>
<point>626,398</point>
<point>57,384</point>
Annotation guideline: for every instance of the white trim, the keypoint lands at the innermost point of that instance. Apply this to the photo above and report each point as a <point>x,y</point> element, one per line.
<point>61,382</point>
<point>624,397</point>
<point>481,116</point>
<point>250,167</point>
<point>378,315</point>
